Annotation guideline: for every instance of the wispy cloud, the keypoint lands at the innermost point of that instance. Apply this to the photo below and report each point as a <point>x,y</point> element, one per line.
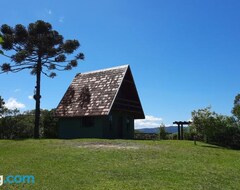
<point>149,122</point>
<point>47,11</point>
<point>12,103</point>
<point>17,90</point>
<point>61,19</point>
<point>30,97</point>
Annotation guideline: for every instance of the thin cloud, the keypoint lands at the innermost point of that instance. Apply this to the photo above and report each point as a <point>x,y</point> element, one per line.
<point>17,90</point>
<point>149,122</point>
<point>12,103</point>
<point>61,19</point>
<point>47,12</point>
<point>30,97</point>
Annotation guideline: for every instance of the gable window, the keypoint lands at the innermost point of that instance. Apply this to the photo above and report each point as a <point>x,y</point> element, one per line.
<point>87,121</point>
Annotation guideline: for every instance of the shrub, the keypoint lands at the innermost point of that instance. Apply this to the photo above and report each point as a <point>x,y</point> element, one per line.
<point>215,128</point>
<point>16,126</point>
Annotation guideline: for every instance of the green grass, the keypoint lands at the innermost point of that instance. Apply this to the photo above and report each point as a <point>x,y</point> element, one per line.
<point>119,164</point>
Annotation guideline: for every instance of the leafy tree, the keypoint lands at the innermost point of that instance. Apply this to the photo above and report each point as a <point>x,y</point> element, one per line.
<point>50,122</point>
<point>207,123</point>
<point>215,128</point>
<point>15,125</point>
<point>1,41</point>
<point>236,107</point>
<point>2,108</point>
<point>162,132</point>
<point>40,49</point>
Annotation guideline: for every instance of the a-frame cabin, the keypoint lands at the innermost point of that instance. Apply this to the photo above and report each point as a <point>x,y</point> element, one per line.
<point>100,104</point>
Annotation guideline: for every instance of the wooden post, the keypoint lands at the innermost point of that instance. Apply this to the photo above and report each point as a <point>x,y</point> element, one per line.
<point>181,131</point>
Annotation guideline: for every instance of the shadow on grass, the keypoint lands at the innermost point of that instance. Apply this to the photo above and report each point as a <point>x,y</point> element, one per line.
<point>25,139</point>
<point>221,147</point>
<point>22,139</point>
<point>213,146</point>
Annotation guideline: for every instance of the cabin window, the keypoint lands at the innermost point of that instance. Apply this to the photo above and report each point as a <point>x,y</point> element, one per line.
<point>87,121</point>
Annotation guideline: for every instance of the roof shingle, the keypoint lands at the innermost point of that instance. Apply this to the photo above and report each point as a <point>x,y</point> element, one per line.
<point>92,93</point>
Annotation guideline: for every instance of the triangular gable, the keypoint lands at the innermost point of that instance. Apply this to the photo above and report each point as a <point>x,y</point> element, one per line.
<point>127,98</point>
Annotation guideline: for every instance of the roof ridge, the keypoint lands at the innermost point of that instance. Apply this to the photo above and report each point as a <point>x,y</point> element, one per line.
<point>107,69</point>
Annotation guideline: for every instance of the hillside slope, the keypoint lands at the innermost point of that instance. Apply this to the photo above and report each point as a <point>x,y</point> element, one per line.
<point>119,164</point>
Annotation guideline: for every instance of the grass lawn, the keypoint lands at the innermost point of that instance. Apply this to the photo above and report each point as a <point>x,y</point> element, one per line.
<point>119,164</point>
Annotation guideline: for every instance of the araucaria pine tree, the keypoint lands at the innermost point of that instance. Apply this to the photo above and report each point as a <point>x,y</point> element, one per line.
<point>40,49</point>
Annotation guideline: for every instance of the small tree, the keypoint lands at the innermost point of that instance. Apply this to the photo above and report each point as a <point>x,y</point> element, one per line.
<point>210,126</point>
<point>15,125</point>
<point>236,107</point>
<point>203,122</point>
<point>49,124</point>
<point>40,49</point>
<point>162,132</point>
<point>2,108</point>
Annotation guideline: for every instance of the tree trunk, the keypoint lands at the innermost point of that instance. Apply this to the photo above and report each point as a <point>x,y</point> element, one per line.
<point>37,98</point>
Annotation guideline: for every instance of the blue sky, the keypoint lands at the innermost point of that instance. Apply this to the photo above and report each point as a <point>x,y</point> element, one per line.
<point>184,55</point>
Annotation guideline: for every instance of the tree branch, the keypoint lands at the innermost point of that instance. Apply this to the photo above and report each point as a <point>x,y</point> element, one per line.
<point>45,74</point>
<point>16,70</point>
<point>7,56</point>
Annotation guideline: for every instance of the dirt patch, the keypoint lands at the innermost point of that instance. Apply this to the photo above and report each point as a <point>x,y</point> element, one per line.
<point>108,146</point>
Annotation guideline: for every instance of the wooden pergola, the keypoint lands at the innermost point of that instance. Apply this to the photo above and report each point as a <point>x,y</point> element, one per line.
<point>180,127</point>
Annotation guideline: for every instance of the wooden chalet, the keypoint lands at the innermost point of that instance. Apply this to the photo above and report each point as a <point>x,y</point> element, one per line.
<point>100,104</point>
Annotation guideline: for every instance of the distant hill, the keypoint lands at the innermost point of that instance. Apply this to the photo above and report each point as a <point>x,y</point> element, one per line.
<point>170,129</point>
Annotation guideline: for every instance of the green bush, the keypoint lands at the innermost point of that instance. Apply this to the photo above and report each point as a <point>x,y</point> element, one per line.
<point>215,128</point>
<point>14,127</point>
<point>162,132</point>
<point>49,123</point>
<point>18,126</point>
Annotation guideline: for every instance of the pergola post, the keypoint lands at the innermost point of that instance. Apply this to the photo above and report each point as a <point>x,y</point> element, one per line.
<point>180,127</point>
<point>179,137</point>
<point>181,131</point>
